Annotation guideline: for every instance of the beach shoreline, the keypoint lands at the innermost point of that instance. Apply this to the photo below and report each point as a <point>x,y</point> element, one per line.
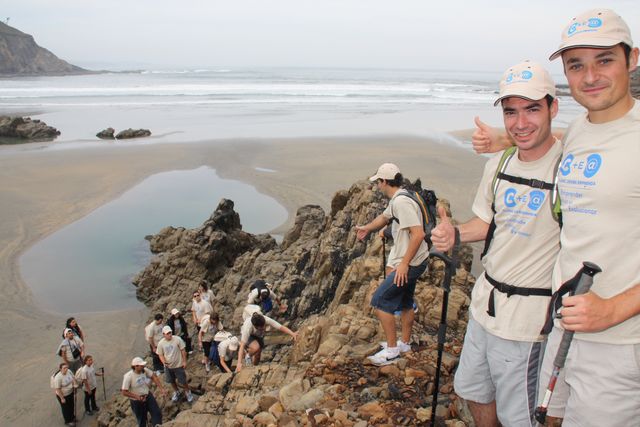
<point>44,190</point>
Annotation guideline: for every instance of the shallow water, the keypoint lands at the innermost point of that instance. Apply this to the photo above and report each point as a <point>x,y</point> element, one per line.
<point>88,265</point>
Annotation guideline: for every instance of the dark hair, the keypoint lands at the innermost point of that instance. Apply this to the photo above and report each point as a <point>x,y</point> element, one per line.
<point>61,365</point>
<point>627,52</point>
<point>88,356</point>
<point>204,284</point>
<point>257,320</point>
<point>158,316</point>
<point>214,316</point>
<point>397,181</point>
<point>549,99</point>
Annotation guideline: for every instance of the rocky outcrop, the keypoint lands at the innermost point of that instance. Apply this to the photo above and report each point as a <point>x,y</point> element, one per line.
<point>26,128</point>
<point>133,133</point>
<point>21,56</point>
<point>327,277</point>
<point>107,133</point>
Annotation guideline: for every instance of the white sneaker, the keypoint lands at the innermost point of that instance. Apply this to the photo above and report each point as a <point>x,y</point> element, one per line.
<point>176,396</point>
<point>207,367</point>
<point>189,397</point>
<point>402,346</point>
<point>385,356</point>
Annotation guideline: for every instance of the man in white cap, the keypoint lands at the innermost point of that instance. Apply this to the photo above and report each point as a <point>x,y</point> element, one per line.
<point>227,351</point>
<point>407,261</point>
<point>513,208</point>
<point>178,326</point>
<point>172,353</point>
<point>600,191</point>
<point>135,386</point>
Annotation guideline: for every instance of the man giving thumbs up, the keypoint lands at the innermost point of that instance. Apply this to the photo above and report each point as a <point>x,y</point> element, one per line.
<point>514,217</point>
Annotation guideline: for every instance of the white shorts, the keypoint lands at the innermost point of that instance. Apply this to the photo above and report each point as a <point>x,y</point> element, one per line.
<point>599,385</point>
<point>492,368</point>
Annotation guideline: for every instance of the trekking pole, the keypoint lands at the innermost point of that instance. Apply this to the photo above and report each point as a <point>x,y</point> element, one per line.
<point>75,406</point>
<point>587,272</point>
<point>104,389</point>
<point>384,257</point>
<point>451,264</point>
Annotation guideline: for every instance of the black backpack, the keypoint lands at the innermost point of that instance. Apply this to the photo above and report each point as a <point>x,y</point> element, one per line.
<point>260,285</point>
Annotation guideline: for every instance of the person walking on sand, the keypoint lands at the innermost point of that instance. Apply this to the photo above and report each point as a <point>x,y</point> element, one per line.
<point>86,378</point>
<point>172,353</point>
<point>135,386</point>
<point>497,373</point>
<point>71,350</point>
<point>209,326</point>
<point>179,328</point>
<point>407,261</point>
<point>153,335</point>
<point>64,384</point>
<point>252,337</point>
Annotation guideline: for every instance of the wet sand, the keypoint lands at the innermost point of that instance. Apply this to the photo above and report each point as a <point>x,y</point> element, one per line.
<point>44,189</point>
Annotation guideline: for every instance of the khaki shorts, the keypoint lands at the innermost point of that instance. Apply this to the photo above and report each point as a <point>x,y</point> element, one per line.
<point>599,385</point>
<point>492,368</point>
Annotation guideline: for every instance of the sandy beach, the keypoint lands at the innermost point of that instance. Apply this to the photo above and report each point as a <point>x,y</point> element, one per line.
<point>46,189</point>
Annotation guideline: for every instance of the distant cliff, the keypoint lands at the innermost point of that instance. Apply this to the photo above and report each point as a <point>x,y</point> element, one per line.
<point>21,56</point>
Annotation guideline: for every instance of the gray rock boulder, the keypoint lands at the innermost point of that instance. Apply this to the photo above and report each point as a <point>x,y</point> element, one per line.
<point>107,133</point>
<point>133,133</point>
<point>26,128</point>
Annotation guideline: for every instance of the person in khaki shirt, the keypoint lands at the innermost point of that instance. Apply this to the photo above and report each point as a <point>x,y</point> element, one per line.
<point>135,386</point>
<point>64,384</point>
<point>172,353</point>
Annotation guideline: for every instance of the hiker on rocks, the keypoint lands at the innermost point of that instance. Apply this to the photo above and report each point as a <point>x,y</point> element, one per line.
<point>86,378</point>
<point>407,261</point>
<point>179,328</point>
<point>153,335</point>
<point>598,182</point>
<point>514,215</point>
<point>64,384</point>
<point>209,326</point>
<point>71,350</point>
<point>75,328</point>
<point>252,337</point>
<point>173,355</point>
<point>205,292</point>
<point>135,386</point>
<point>227,351</point>
<point>263,296</point>
<point>199,309</point>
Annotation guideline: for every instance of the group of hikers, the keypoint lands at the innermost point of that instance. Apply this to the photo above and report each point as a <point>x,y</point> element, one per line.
<point>544,207</point>
<point>556,216</point>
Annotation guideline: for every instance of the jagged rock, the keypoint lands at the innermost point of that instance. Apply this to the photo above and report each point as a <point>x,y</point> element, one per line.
<point>107,133</point>
<point>26,128</point>
<point>133,133</point>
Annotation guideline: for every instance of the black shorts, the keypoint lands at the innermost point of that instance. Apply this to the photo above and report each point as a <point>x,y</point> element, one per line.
<point>260,340</point>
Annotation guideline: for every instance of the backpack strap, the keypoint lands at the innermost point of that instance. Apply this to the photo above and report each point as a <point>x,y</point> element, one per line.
<point>510,290</point>
<point>422,208</point>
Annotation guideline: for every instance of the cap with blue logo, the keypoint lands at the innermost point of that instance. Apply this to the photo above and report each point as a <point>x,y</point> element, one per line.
<point>597,28</point>
<point>528,80</point>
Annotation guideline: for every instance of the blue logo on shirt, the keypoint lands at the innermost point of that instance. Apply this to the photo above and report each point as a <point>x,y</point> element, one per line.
<point>536,198</point>
<point>594,162</point>
<point>565,166</point>
<point>510,197</point>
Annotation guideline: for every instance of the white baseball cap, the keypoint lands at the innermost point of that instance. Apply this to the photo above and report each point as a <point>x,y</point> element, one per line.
<point>167,329</point>
<point>528,80</point>
<point>175,311</point>
<point>233,343</point>
<point>386,171</point>
<point>594,28</point>
<point>138,361</point>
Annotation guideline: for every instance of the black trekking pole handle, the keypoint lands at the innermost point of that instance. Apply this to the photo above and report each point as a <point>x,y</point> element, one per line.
<point>384,257</point>
<point>104,389</point>
<point>588,270</point>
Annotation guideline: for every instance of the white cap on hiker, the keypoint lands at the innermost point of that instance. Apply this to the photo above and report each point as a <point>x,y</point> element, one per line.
<point>594,28</point>
<point>138,361</point>
<point>167,329</point>
<point>67,330</point>
<point>175,311</point>
<point>233,344</point>
<point>386,171</point>
<point>528,80</point>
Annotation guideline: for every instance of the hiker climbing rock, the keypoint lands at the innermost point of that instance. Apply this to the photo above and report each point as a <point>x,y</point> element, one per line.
<point>209,326</point>
<point>262,295</point>
<point>172,353</point>
<point>199,309</point>
<point>153,335</point>
<point>135,386</point>
<point>227,351</point>
<point>179,328</point>
<point>407,261</point>
<point>252,337</point>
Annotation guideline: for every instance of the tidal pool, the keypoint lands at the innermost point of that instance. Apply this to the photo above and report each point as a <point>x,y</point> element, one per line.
<point>88,265</point>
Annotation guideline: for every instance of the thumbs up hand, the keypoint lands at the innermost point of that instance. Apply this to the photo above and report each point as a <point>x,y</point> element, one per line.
<point>485,139</point>
<point>443,236</point>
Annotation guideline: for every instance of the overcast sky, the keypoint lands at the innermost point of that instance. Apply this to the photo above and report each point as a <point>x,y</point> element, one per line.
<point>447,34</point>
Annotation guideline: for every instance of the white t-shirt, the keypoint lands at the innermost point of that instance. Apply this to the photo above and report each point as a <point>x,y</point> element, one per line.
<point>207,296</point>
<point>153,330</point>
<point>224,351</point>
<point>248,329</point>
<point>600,193</point>
<point>64,382</point>
<point>409,215</point>
<point>67,347</point>
<point>171,351</point>
<point>87,373</point>
<point>201,309</point>
<point>254,297</point>
<point>524,247</point>
<point>208,330</point>
<point>137,383</point>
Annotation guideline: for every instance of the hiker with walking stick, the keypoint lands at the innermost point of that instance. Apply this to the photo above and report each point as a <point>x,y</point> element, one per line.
<point>513,214</point>
<point>86,377</point>
<point>64,384</point>
<point>407,261</point>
